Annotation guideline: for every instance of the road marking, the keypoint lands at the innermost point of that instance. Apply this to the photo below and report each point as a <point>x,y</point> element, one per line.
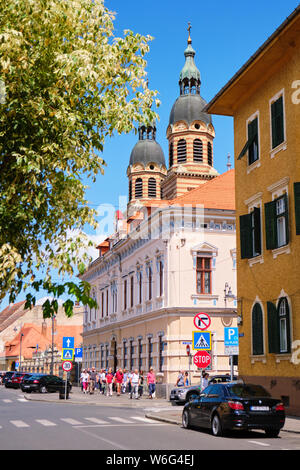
<point>19,424</point>
<point>144,420</point>
<point>74,422</point>
<point>7,401</point>
<point>96,420</point>
<point>120,420</point>
<point>45,422</point>
<point>260,443</point>
<point>23,400</point>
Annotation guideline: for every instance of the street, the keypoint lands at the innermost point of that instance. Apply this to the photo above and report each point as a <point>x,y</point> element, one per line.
<point>35,425</point>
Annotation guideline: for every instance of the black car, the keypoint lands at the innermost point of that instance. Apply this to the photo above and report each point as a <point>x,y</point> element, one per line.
<point>7,377</point>
<point>182,395</point>
<point>44,383</point>
<point>230,406</point>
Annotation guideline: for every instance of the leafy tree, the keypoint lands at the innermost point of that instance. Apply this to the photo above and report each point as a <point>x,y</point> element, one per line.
<point>66,83</point>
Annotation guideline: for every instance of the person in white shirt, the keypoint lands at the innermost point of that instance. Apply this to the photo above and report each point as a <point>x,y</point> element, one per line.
<point>85,380</point>
<point>135,381</point>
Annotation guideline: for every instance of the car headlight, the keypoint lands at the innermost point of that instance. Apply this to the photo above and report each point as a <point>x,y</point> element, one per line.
<point>181,392</point>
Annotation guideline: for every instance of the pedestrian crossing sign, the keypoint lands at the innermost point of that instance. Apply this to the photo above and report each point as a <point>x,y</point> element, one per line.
<point>202,340</point>
<point>67,354</point>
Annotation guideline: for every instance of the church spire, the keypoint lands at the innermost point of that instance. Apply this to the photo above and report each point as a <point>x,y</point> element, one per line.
<point>189,79</point>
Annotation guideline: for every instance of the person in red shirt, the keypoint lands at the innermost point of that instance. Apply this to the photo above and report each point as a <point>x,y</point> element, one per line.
<point>119,380</point>
<point>109,380</point>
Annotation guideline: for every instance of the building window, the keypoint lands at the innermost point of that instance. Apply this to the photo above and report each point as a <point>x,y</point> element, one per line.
<point>131,291</point>
<point>131,352</point>
<point>171,154</point>
<point>279,327</point>
<point>124,355</point>
<point>253,151</point>
<point>250,234</point>
<point>297,206</point>
<point>130,190</point>
<point>161,278</point>
<point>203,275</point>
<point>277,224</point>
<point>140,287</point>
<point>152,188</point>
<point>107,302</point>
<point>277,122</point>
<point>138,188</point>
<point>125,294</point>
<point>149,274</point>
<point>101,356</point>
<point>209,154</point>
<point>181,151</point>
<point>150,350</point>
<point>161,348</point>
<point>106,356</point>
<point>140,352</point>
<point>257,330</point>
<point>198,150</point>
<point>102,304</point>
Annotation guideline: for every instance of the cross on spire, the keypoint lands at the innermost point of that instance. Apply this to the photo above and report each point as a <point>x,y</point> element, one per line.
<point>189,30</point>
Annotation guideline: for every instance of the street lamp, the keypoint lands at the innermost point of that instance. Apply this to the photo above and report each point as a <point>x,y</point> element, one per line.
<point>228,295</point>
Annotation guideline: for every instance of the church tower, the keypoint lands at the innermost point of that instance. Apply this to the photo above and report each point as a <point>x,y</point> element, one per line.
<point>147,167</point>
<point>190,134</point>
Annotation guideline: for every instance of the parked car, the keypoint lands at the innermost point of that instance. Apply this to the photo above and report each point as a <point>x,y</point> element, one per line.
<point>230,406</point>
<point>44,383</point>
<point>15,379</point>
<point>7,377</point>
<point>181,395</point>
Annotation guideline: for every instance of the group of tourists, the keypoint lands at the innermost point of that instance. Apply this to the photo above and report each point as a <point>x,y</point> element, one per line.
<point>134,382</point>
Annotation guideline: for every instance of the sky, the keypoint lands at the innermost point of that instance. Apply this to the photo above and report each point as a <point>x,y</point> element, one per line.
<point>224,36</point>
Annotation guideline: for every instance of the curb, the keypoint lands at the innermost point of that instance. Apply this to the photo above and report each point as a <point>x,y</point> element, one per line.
<point>164,420</point>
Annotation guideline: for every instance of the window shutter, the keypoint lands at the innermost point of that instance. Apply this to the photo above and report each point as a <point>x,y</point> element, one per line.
<point>273,328</point>
<point>246,236</point>
<point>297,206</point>
<point>253,138</point>
<point>277,122</point>
<point>257,331</point>
<point>271,227</point>
<point>257,230</point>
<point>287,231</point>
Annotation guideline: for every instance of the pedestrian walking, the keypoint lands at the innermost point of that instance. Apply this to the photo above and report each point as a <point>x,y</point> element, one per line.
<point>134,381</point>
<point>103,382</point>
<point>124,383</point>
<point>204,382</point>
<point>129,375</point>
<point>141,385</point>
<point>92,381</point>
<point>151,382</point>
<point>180,379</point>
<point>186,379</point>
<point>119,380</point>
<point>109,382</point>
<point>85,377</point>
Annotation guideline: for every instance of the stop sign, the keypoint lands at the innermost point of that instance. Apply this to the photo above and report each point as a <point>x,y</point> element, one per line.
<point>202,359</point>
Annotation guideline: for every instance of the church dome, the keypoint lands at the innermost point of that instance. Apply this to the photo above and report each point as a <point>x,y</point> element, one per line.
<point>189,108</point>
<point>147,151</point>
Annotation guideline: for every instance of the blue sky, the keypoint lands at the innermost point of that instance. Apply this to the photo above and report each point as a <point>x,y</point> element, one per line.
<point>224,35</point>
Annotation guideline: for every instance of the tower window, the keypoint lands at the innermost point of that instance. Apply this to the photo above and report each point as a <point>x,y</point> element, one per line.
<point>209,153</point>
<point>139,188</point>
<point>151,187</point>
<point>171,154</point>
<point>198,150</point>
<point>130,190</point>
<point>181,151</point>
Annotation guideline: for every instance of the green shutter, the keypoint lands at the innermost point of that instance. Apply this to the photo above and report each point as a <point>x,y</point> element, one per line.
<point>257,230</point>
<point>297,206</point>
<point>271,225</point>
<point>246,236</point>
<point>286,215</point>
<point>273,328</point>
<point>257,330</point>
<point>277,122</point>
<point>253,138</point>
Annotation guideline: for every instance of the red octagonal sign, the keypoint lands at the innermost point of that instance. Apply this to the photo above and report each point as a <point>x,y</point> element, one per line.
<point>202,359</point>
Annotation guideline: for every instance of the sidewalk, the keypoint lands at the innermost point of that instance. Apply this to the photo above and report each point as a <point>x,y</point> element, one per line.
<point>158,409</point>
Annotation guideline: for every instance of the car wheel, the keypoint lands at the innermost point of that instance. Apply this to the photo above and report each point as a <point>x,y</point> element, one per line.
<point>272,432</point>
<point>186,419</point>
<point>216,427</point>
<point>43,389</point>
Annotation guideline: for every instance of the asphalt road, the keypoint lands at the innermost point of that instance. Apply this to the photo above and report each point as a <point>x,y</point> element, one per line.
<point>27,425</point>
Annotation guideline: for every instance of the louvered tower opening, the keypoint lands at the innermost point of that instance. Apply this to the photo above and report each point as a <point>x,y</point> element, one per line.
<point>198,150</point>
<point>152,187</point>
<point>181,151</point>
<point>139,188</point>
<point>209,154</point>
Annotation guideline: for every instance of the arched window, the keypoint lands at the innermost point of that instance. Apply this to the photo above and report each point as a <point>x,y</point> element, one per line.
<point>171,154</point>
<point>151,187</point>
<point>181,151</point>
<point>198,150</point>
<point>130,190</point>
<point>209,153</point>
<point>139,188</point>
<point>257,330</point>
<point>284,326</point>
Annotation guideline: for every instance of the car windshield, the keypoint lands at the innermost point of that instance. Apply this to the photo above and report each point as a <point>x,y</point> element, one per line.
<point>247,391</point>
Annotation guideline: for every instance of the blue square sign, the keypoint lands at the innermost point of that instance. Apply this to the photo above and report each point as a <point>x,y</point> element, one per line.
<point>68,342</point>
<point>231,336</point>
<point>202,340</point>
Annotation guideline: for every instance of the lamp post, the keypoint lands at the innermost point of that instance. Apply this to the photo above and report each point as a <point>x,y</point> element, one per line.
<point>52,345</point>
<point>228,295</point>
<point>20,359</point>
